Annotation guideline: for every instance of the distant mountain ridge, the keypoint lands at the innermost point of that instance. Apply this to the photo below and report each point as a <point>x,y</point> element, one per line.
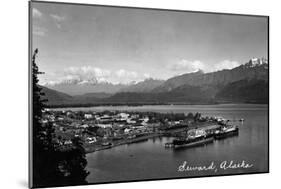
<point>250,70</point>
<point>54,97</point>
<point>245,83</point>
<point>83,87</point>
<point>73,88</point>
<point>251,91</point>
<point>144,86</point>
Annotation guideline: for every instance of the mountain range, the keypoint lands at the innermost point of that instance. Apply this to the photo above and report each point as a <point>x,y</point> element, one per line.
<point>245,83</point>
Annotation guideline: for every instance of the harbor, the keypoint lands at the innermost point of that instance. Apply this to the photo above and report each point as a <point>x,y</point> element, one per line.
<point>188,137</point>
<point>184,136</point>
<point>108,129</point>
<point>151,159</point>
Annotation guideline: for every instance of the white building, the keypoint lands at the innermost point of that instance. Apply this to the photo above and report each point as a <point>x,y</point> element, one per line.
<point>104,125</point>
<point>84,126</point>
<point>123,115</point>
<point>131,121</point>
<point>127,130</point>
<point>91,140</point>
<point>88,116</point>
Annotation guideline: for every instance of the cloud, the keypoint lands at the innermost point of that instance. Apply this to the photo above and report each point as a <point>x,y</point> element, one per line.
<point>73,79</point>
<point>125,76</point>
<point>187,66</point>
<point>57,19</point>
<point>39,31</point>
<point>93,75</point>
<point>124,73</point>
<point>36,13</point>
<point>226,64</point>
<point>146,75</point>
<point>87,70</point>
<point>86,73</point>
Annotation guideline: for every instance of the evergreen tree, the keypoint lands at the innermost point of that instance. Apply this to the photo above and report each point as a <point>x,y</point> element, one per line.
<point>190,116</point>
<point>44,165</point>
<point>50,165</point>
<point>197,117</point>
<point>76,163</point>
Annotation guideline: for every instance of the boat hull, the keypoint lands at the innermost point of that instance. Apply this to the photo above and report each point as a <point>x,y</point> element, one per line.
<point>227,134</point>
<point>193,144</point>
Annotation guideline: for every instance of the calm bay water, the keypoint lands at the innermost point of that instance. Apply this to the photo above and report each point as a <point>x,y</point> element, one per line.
<point>150,160</point>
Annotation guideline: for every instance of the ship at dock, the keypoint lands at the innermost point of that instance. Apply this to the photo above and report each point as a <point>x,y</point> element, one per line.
<point>226,131</point>
<point>199,137</point>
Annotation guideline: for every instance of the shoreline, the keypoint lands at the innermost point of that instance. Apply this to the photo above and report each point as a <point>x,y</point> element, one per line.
<point>169,133</point>
<point>91,149</point>
<point>97,106</point>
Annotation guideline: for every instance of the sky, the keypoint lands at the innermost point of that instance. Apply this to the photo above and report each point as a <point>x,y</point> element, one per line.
<point>121,45</point>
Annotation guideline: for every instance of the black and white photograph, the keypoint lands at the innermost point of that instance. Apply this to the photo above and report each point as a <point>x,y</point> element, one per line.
<point>125,94</point>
